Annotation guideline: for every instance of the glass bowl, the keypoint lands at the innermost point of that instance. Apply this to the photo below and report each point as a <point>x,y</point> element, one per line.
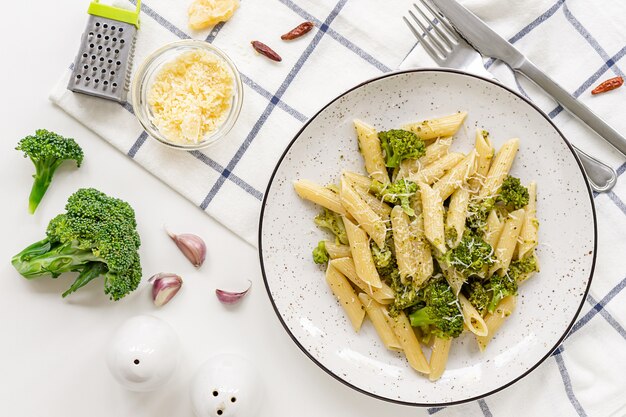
<point>146,74</point>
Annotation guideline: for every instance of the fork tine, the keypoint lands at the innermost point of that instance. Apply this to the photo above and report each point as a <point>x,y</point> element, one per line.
<point>451,31</point>
<point>445,46</point>
<point>448,40</point>
<point>432,39</point>
<point>429,49</point>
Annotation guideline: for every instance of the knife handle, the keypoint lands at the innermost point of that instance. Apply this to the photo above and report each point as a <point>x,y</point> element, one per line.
<point>575,107</point>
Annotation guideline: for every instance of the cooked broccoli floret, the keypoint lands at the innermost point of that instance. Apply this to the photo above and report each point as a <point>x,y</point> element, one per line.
<point>332,221</point>
<point>500,286</point>
<point>320,254</point>
<point>471,255</point>
<point>398,193</point>
<point>477,294</point>
<point>440,314</point>
<point>47,150</point>
<point>95,236</point>
<point>406,295</point>
<point>398,145</point>
<point>513,195</point>
<point>522,267</point>
<point>477,213</point>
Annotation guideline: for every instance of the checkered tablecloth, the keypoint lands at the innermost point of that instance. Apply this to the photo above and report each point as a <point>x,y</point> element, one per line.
<point>578,42</point>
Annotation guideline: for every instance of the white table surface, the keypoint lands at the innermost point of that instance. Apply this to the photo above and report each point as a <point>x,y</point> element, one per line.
<point>52,349</point>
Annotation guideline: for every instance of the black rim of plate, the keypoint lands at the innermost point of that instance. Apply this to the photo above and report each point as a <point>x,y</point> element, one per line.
<point>391,400</point>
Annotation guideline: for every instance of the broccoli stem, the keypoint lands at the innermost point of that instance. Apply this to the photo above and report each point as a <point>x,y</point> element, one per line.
<point>35,261</point>
<point>90,271</point>
<point>43,177</point>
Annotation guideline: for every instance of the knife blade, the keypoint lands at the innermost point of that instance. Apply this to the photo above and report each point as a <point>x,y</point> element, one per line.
<point>486,41</point>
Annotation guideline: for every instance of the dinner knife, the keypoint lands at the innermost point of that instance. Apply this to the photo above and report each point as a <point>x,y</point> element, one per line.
<point>482,38</point>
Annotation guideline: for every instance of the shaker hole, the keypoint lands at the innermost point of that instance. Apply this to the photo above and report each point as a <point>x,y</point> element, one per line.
<point>215,393</point>
<point>233,399</point>
<point>136,361</point>
<point>220,412</point>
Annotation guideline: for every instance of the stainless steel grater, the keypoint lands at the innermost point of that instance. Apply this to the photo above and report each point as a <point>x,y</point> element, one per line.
<point>104,61</point>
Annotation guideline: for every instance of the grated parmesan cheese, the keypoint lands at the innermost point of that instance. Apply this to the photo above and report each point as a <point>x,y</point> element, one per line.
<point>191,96</point>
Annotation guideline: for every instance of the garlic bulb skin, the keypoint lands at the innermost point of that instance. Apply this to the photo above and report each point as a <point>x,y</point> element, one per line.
<point>143,353</point>
<point>226,385</point>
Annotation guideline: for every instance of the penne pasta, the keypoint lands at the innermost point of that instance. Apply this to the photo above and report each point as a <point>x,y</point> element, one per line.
<point>494,229</point>
<point>405,253</point>
<point>367,218</point>
<point>337,250</point>
<point>439,357</point>
<point>319,195</point>
<point>346,296</point>
<point>484,155</point>
<point>432,205</point>
<point>499,168</point>
<point>380,208</point>
<point>423,254</point>
<point>410,345</point>
<point>528,236</point>
<point>457,176</point>
<point>375,312</point>
<point>383,295</point>
<point>359,181</point>
<point>369,144</point>
<point>526,276</point>
<point>434,152</point>
<point>496,320</point>
<point>472,318</point>
<point>455,219</point>
<point>507,242</point>
<point>455,278</point>
<point>437,128</point>
<point>362,255</point>
<point>432,172</point>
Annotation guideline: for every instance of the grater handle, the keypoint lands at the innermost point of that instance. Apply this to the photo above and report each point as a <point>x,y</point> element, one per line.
<point>115,13</point>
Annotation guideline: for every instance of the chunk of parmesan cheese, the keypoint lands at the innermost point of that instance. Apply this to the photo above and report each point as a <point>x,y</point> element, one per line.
<point>206,13</point>
<point>191,96</point>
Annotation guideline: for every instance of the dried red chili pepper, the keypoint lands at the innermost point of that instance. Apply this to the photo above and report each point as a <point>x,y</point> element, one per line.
<point>608,85</point>
<point>298,31</point>
<point>263,49</point>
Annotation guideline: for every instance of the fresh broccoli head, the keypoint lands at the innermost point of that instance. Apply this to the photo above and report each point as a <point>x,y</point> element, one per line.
<point>398,193</point>
<point>332,221</point>
<point>320,254</point>
<point>47,150</point>
<point>96,236</point>
<point>513,195</point>
<point>477,294</point>
<point>399,145</point>
<point>471,255</point>
<point>439,313</point>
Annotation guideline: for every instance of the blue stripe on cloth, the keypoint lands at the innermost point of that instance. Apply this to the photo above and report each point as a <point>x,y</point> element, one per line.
<point>269,96</point>
<point>591,80</point>
<point>216,29</point>
<point>161,21</point>
<point>598,306</point>
<point>336,36</point>
<point>434,410</point>
<point>621,169</point>
<point>138,143</point>
<point>268,110</point>
<point>618,201</point>
<point>589,38</point>
<point>568,383</point>
<point>532,25</point>
<point>608,317</point>
<point>484,408</point>
<point>234,178</point>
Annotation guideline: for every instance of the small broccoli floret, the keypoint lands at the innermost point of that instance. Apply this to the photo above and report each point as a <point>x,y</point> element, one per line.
<point>500,286</point>
<point>320,254</point>
<point>513,195</point>
<point>332,221</point>
<point>385,258</point>
<point>471,256</point>
<point>477,294</point>
<point>406,295</point>
<point>96,236</point>
<point>398,193</point>
<point>440,314</point>
<point>520,268</point>
<point>477,213</point>
<point>399,145</point>
<point>47,151</point>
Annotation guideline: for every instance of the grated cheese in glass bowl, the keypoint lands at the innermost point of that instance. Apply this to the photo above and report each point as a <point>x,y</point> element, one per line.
<point>187,94</point>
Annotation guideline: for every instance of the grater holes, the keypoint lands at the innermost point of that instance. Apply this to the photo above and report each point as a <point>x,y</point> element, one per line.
<point>106,38</point>
<point>114,39</point>
<point>122,41</point>
<point>105,82</point>
<point>105,26</point>
<point>101,59</point>
<point>97,80</point>
<point>99,47</point>
<point>87,78</point>
<point>97,24</point>
<point>95,69</point>
<point>108,50</point>
<point>91,45</point>
<point>110,61</point>
<point>112,27</point>
<point>112,72</point>
<point>85,55</point>
<point>85,66</point>
<point>103,71</point>
<point>93,57</point>
<point>117,51</point>
<point>121,29</point>
<point>78,77</point>
<point>99,35</point>
<point>114,85</point>
<point>118,63</point>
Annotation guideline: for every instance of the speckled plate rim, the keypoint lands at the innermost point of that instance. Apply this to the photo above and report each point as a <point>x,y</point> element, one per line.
<point>361,390</point>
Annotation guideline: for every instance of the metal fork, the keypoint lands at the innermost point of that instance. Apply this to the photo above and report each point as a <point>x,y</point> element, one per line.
<point>448,49</point>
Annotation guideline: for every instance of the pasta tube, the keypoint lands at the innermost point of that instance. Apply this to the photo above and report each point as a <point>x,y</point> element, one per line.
<point>528,236</point>
<point>367,218</point>
<point>362,255</point>
<point>439,357</point>
<point>319,195</point>
<point>433,153</point>
<point>337,250</point>
<point>457,176</point>
<point>346,296</point>
<point>423,254</point>
<point>432,172</point>
<point>405,253</point>
<point>484,155</point>
<point>494,229</point>
<point>472,318</point>
<point>496,320</point>
<point>377,316</point>
<point>437,128</point>
<point>457,213</point>
<point>432,205</point>
<point>507,242</point>
<point>410,345</point>
<point>371,151</point>
<point>499,168</point>
<point>383,295</point>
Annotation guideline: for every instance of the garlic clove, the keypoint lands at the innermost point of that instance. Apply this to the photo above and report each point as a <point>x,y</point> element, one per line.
<point>192,246</point>
<point>231,297</point>
<point>164,287</point>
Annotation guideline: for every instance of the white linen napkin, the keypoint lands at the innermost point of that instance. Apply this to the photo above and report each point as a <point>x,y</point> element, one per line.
<point>579,43</point>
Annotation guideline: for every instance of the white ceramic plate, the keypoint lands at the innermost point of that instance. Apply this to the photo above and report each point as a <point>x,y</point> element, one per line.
<point>547,304</point>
